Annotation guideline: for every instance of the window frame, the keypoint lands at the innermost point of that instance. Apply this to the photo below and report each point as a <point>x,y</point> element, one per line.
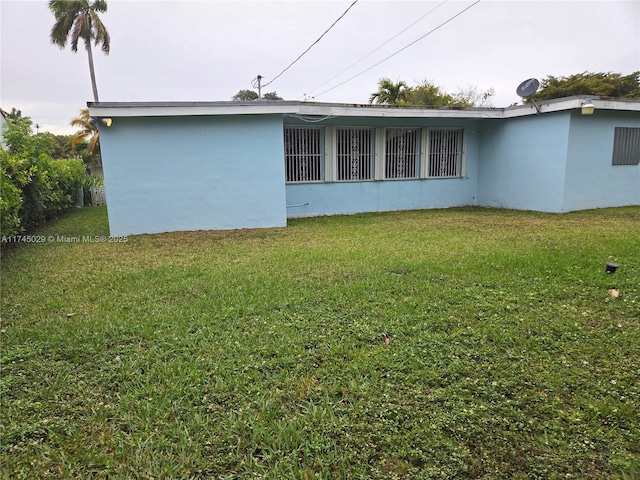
<point>461,152</point>
<point>626,146</point>
<point>417,153</point>
<point>319,156</point>
<point>336,156</point>
<point>378,152</point>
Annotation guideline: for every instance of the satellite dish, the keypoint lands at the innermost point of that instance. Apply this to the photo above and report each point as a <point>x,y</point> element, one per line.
<point>528,87</point>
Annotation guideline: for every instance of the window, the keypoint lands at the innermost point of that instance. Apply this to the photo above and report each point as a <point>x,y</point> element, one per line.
<point>401,153</point>
<point>354,153</point>
<point>304,154</point>
<point>315,153</point>
<point>445,152</point>
<point>626,146</point>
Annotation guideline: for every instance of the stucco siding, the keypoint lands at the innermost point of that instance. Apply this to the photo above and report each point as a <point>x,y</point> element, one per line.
<point>221,165</point>
<point>379,196</point>
<point>523,162</point>
<point>327,198</point>
<point>193,173</point>
<point>591,180</point>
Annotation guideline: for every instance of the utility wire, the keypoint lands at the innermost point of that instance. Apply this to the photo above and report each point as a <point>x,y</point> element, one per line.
<point>402,49</point>
<point>378,48</point>
<point>319,38</point>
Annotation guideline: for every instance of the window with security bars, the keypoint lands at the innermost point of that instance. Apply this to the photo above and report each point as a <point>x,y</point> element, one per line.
<point>445,152</point>
<point>354,153</point>
<point>626,146</point>
<point>402,156</point>
<point>304,154</point>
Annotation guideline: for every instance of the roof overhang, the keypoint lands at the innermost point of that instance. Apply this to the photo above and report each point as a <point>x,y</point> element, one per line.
<point>175,109</point>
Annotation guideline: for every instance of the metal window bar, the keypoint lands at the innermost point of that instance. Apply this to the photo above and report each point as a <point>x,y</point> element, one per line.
<point>354,153</point>
<point>445,152</point>
<point>303,154</point>
<point>626,146</point>
<point>401,153</point>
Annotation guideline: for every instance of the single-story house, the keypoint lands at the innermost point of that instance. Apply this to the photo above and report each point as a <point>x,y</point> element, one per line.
<point>172,166</point>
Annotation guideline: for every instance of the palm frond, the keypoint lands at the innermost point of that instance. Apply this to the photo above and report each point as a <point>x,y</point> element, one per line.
<point>60,33</point>
<point>77,138</point>
<point>99,6</point>
<point>80,30</point>
<point>94,143</point>
<point>101,35</point>
<point>87,129</point>
<point>83,124</point>
<point>76,20</point>
<point>64,12</point>
<point>389,92</point>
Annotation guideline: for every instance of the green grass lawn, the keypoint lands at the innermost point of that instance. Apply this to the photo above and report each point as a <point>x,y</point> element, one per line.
<point>259,354</point>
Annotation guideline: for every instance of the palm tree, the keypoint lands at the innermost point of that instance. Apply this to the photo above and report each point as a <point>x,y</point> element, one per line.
<point>87,129</point>
<point>390,93</point>
<point>78,19</point>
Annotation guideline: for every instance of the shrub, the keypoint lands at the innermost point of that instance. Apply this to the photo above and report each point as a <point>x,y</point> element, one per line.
<point>34,188</point>
<point>66,178</point>
<point>10,194</point>
<point>91,181</point>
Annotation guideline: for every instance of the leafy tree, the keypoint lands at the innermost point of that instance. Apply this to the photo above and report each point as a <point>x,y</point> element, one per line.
<point>472,97</point>
<point>78,20</point>
<point>19,137</point>
<point>245,95</point>
<point>427,94</point>
<point>14,114</point>
<point>272,96</point>
<point>250,95</point>
<point>604,84</point>
<point>62,148</point>
<point>390,93</point>
<point>15,130</point>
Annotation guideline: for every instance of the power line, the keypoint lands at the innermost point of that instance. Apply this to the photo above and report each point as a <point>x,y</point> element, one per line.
<point>319,38</point>
<point>402,49</point>
<point>379,47</point>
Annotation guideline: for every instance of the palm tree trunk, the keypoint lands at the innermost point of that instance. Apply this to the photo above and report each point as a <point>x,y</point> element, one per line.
<point>92,71</point>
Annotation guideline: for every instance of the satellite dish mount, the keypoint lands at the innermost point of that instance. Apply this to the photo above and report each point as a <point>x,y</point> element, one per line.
<point>527,89</point>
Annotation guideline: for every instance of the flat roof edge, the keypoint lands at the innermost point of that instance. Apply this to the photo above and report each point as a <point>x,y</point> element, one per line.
<point>170,109</point>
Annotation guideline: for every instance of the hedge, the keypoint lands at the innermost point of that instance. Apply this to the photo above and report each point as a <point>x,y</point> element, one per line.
<point>33,187</point>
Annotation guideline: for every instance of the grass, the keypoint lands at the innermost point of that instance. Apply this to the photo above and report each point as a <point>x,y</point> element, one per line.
<point>259,354</point>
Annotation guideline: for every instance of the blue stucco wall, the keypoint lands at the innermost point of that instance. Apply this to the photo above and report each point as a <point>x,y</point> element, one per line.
<point>193,173</point>
<point>227,172</point>
<point>591,181</point>
<point>327,198</point>
<point>378,196</point>
<point>523,162</point>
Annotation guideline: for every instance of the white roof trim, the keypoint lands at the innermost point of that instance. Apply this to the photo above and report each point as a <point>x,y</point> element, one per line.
<point>172,109</point>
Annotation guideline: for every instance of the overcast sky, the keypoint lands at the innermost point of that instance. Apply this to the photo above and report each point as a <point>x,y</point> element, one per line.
<point>170,50</point>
